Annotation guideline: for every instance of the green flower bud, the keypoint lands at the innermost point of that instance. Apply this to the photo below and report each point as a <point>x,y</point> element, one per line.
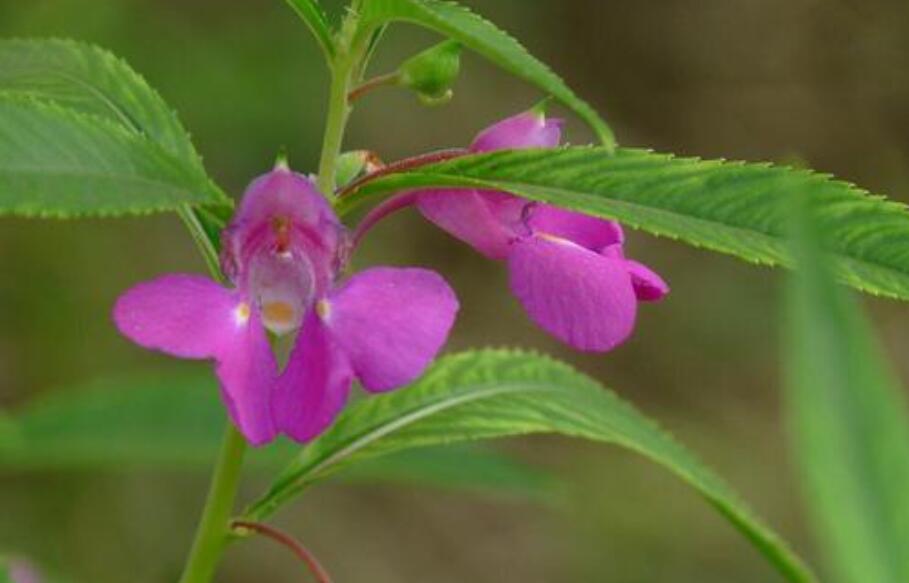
<point>432,72</point>
<point>352,165</point>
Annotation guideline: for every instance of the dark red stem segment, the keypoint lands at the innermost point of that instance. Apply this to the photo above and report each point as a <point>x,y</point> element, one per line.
<point>403,165</point>
<point>295,546</point>
<point>374,83</point>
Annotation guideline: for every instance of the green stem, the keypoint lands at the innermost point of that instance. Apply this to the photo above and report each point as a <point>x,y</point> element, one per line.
<point>352,44</point>
<point>338,112</point>
<point>214,527</point>
<point>200,237</point>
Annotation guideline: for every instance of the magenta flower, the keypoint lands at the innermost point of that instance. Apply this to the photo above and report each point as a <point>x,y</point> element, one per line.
<point>283,252</point>
<point>567,269</point>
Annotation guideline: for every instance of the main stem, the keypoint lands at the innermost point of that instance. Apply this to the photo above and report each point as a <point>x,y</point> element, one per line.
<point>349,54</point>
<point>338,112</point>
<point>214,527</point>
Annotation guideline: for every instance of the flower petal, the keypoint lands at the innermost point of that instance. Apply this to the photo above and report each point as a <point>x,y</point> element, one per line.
<point>591,232</point>
<point>188,316</point>
<point>391,323</point>
<point>247,370</point>
<point>313,388</point>
<point>529,129</point>
<point>648,286</point>
<point>282,213</point>
<point>582,298</point>
<point>466,215</point>
<point>193,317</point>
<point>283,192</point>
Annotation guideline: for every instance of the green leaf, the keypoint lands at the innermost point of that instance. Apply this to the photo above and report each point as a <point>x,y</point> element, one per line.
<point>91,80</point>
<point>462,467</point>
<point>496,393</point>
<point>312,14</point>
<point>480,35</point>
<point>849,423</point>
<point>55,162</point>
<point>176,420</point>
<point>730,207</point>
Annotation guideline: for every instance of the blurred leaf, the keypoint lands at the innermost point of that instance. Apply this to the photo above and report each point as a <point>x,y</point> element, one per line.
<point>312,14</point>
<point>730,207</point>
<point>849,423</point>
<point>174,421</point>
<point>55,162</point>
<point>496,393</point>
<point>474,32</point>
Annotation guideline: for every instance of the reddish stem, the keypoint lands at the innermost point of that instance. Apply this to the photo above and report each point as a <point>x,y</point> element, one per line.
<point>379,212</point>
<point>295,546</point>
<point>402,165</point>
<point>374,83</point>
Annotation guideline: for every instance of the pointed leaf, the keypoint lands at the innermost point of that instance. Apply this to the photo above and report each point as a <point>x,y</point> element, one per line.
<point>55,162</point>
<point>730,207</point>
<point>483,37</point>
<point>92,80</point>
<point>495,393</point>
<point>312,14</point>
<point>849,424</point>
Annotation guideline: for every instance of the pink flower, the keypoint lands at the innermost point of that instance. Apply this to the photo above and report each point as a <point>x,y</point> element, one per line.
<point>567,269</point>
<point>22,571</point>
<point>283,252</point>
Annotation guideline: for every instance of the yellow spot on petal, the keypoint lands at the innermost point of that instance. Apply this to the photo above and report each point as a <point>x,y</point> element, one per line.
<point>278,313</point>
<point>323,308</point>
<point>241,313</point>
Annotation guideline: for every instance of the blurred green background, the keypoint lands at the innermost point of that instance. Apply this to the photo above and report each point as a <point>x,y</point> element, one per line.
<point>820,82</point>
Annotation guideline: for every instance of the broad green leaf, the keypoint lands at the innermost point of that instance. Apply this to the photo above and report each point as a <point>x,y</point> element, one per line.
<point>312,14</point>
<point>848,422</point>
<point>497,393</point>
<point>55,162</point>
<point>483,37</point>
<point>92,80</point>
<point>730,207</point>
<point>176,420</point>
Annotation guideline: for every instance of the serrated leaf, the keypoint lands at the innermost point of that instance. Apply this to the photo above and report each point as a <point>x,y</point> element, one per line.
<point>483,37</point>
<point>312,14</point>
<point>92,80</point>
<point>55,162</point>
<point>849,423</point>
<point>731,207</point>
<point>176,421</point>
<point>496,393</point>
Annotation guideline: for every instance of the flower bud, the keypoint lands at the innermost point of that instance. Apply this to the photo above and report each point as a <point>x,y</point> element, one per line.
<point>432,72</point>
<point>354,164</point>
